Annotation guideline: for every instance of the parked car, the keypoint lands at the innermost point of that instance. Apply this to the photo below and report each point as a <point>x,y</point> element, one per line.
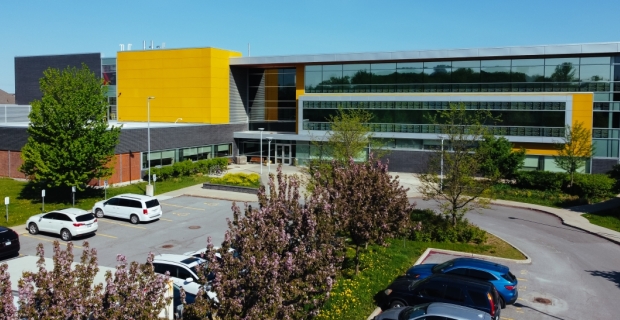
<point>9,242</point>
<point>497,274</point>
<point>434,310</point>
<point>178,304</point>
<point>183,272</point>
<point>201,253</point>
<point>468,292</point>
<point>68,223</point>
<point>135,207</point>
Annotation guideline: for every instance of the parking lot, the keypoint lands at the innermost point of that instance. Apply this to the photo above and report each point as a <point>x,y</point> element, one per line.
<point>185,225</point>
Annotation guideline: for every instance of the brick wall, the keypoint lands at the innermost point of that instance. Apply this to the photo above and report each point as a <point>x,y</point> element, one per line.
<point>10,161</point>
<point>126,168</point>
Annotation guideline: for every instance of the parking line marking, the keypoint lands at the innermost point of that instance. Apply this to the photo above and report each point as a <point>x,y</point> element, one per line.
<point>521,279</point>
<point>31,236</point>
<point>165,219</point>
<point>180,214</point>
<point>191,208</point>
<point>105,235</point>
<point>521,299</point>
<point>506,318</point>
<point>122,224</point>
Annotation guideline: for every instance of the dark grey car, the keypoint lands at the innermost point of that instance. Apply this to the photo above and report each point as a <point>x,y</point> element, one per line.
<point>440,310</point>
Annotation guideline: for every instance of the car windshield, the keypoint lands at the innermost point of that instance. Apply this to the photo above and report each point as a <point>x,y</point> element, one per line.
<point>152,203</point>
<point>440,267</point>
<point>85,217</point>
<point>413,312</point>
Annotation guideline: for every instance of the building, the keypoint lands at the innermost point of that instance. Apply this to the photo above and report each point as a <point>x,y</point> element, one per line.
<point>211,102</point>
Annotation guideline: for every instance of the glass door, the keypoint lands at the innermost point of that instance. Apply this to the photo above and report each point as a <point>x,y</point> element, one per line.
<point>283,153</point>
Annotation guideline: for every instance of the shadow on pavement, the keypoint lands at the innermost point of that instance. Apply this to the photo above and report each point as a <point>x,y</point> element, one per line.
<point>519,305</point>
<point>544,224</point>
<point>613,276</point>
<point>597,207</point>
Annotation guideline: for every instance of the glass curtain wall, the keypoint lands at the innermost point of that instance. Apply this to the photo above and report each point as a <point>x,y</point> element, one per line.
<point>169,157</point>
<point>272,99</point>
<point>108,74</point>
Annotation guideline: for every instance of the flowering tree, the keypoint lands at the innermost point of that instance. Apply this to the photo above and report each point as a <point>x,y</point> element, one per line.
<point>135,291</point>
<point>287,256</point>
<point>67,292</point>
<point>373,205</point>
<point>7,308</point>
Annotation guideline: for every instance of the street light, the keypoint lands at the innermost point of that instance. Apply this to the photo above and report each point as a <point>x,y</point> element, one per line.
<point>148,135</point>
<point>261,150</point>
<point>269,156</point>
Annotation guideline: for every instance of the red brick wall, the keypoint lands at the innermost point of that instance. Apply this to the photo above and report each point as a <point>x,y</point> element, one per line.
<point>15,162</point>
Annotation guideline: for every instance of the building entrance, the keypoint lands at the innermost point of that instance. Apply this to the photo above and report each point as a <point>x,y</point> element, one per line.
<point>283,153</point>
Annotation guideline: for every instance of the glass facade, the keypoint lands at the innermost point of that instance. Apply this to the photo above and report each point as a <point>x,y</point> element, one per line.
<point>272,99</point>
<point>108,74</point>
<point>169,157</point>
<point>543,119</point>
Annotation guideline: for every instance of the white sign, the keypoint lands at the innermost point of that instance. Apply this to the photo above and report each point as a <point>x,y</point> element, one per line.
<point>154,177</point>
<point>43,193</point>
<point>105,183</point>
<point>6,201</point>
<point>72,189</point>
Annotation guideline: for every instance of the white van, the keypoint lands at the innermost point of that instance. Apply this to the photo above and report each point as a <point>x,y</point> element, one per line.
<point>135,207</point>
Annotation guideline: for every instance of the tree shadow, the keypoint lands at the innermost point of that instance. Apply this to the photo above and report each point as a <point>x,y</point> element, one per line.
<point>613,276</point>
<point>56,195</point>
<point>519,305</point>
<point>548,225</point>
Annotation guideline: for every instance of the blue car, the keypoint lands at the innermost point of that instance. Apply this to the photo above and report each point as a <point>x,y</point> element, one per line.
<point>499,275</point>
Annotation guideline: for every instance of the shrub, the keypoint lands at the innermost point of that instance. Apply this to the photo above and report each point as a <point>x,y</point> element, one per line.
<point>238,179</point>
<point>614,173</point>
<point>183,168</point>
<point>592,186</point>
<point>541,180</point>
<point>188,168</point>
<point>439,228</point>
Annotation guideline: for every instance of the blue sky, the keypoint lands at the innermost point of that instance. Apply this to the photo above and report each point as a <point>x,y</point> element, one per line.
<point>38,27</point>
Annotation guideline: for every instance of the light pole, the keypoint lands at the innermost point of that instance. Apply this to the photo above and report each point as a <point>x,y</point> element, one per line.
<point>261,150</point>
<point>441,184</point>
<point>269,156</point>
<point>148,141</point>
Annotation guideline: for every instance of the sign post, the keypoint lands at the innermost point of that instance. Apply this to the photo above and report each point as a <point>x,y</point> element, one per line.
<point>6,203</point>
<point>43,200</point>
<point>73,195</point>
<point>105,189</point>
<point>154,179</point>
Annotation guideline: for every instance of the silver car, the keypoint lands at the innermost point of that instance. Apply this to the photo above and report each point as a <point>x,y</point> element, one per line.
<point>436,309</point>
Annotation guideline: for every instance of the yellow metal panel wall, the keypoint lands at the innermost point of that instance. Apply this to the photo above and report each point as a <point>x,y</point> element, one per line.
<point>271,94</point>
<point>191,84</point>
<point>582,109</point>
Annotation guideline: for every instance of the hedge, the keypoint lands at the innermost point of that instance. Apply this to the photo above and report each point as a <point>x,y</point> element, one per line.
<point>585,186</point>
<point>188,168</point>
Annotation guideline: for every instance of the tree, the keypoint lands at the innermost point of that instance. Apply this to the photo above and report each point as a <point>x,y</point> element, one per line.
<point>288,256</point>
<point>574,150</point>
<point>7,308</point>
<point>67,292</point>
<point>461,188</point>
<point>372,204</point>
<point>69,142</point>
<point>499,158</point>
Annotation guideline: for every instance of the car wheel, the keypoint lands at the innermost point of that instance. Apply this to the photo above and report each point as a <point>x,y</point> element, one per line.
<point>502,303</point>
<point>397,304</point>
<point>65,235</point>
<point>99,213</point>
<point>134,219</point>
<point>32,228</point>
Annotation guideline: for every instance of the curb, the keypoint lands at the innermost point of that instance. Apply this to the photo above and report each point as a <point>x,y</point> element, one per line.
<point>211,197</point>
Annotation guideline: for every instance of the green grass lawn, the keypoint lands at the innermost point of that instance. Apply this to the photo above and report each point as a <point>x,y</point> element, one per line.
<point>353,296</point>
<point>609,219</point>
<point>25,202</point>
<point>543,198</point>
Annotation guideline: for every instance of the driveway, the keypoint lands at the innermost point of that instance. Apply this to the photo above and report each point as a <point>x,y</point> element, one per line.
<point>577,272</point>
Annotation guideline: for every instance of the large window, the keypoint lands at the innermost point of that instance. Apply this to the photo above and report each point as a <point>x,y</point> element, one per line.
<point>169,157</point>
<point>272,97</point>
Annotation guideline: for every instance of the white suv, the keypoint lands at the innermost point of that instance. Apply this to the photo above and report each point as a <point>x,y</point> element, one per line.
<point>183,272</point>
<point>67,223</point>
<point>135,207</point>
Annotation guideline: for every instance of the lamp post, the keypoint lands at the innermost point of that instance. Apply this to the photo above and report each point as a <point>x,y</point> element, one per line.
<point>261,150</point>
<point>269,156</point>
<point>149,190</point>
<point>441,184</point>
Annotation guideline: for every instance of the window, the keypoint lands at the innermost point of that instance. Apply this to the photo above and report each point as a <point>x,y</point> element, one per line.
<point>458,272</point>
<point>63,217</point>
<point>51,216</point>
<point>152,203</point>
<point>184,274</point>
<point>85,217</point>
<point>223,150</point>
<point>130,203</point>
<point>482,275</point>
<point>479,298</point>
<point>112,202</point>
<point>454,293</point>
<point>433,291</point>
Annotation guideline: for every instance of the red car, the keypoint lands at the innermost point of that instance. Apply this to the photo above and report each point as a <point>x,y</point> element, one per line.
<point>9,242</point>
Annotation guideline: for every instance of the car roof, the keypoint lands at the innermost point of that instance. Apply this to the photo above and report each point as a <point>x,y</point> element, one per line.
<point>189,261</point>
<point>72,211</point>
<point>456,278</point>
<point>482,264</point>
<point>455,311</point>
<point>135,196</point>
